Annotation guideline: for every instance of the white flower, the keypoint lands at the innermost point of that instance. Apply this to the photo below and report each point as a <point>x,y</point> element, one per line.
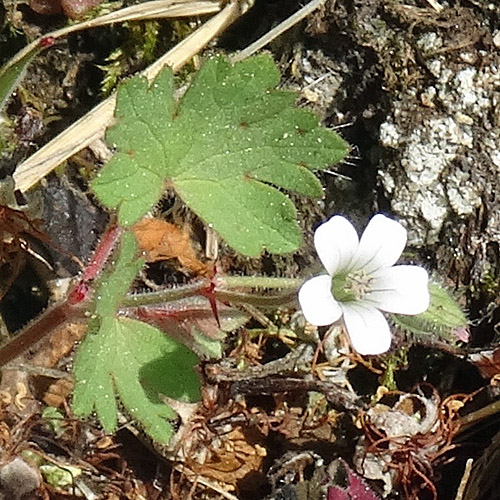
<point>362,281</point>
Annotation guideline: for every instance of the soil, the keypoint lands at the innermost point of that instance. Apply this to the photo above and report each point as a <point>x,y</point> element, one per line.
<point>415,91</point>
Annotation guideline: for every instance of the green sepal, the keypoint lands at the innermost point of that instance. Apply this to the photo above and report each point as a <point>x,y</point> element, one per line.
<point>442,318</point>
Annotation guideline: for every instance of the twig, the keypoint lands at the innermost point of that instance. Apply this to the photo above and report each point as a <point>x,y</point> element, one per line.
<point>478,415</point>
<point>336,395</point>
<point>465,479</point>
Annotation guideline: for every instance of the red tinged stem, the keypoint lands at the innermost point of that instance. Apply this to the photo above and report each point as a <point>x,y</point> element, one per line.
<point>44,324</point>
<point>82,290</point>
<point>209,293</point>
<point>47,41</point>
<point>71,308</point>
<point>102,252</point>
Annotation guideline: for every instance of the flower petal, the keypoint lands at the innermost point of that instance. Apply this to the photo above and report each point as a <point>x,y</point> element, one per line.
<point>317,302</point>
<point>367,328</point>
<point>400,289</point>
<point>336,242</point>
<point>381,244</point>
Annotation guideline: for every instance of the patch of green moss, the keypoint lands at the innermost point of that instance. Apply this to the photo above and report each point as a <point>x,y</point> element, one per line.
<point>490,284</point>
<point>143,42</point>
<point>393,363</point>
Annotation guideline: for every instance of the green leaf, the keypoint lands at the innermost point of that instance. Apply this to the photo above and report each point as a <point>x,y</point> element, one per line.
<point>130,360</point>
<point>54,420</point>
<point>119,278</point>
<point>225,147</point>
<point>136,362</point>
<point>13,72</point>
<point>60,476</point>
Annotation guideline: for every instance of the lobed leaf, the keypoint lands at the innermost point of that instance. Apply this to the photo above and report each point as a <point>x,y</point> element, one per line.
<point>136,362</point>
<point>130,360</point>
<point>117,281</point>
<point>225,147</point>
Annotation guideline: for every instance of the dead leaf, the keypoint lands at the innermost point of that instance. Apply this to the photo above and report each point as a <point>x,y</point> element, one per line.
<point>58,392</point>
<point>231,458</point>
<point>487,362</point>
<point>61,343</point>
<point>104,443</point>
<point>161,240</point>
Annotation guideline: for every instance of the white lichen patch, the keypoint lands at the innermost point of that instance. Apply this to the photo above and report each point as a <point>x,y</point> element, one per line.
<point>431,148</point>
<point>462,194</point>
<point>432,206</point>
<point>430,180</point>
<point>429,42</point>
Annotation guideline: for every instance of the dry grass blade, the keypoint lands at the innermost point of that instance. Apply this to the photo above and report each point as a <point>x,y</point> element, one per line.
<point>464,480</point>
<point>435,5</point>
<point>92,126</point>
<point>278,30</point>
<point>148,10</point>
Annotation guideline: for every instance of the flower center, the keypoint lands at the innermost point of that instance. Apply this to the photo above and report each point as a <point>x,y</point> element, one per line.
<point>351,286</point>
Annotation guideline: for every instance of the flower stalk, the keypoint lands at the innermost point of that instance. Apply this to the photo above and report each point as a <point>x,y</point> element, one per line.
<point>251,290</point>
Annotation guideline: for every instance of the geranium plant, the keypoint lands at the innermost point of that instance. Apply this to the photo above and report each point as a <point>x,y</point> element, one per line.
<point>225,148</point>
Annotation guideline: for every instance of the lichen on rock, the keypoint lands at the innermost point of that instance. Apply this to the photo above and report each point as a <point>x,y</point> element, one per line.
<point>437,173</point>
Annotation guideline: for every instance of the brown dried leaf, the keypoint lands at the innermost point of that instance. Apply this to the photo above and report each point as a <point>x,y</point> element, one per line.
<point>61,343</point>
<point>487,362</point>
<point>161,240</point>
<point>232,457</point>
<point>58,392</point>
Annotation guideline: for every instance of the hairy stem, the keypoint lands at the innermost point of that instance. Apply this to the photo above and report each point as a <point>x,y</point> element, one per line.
<point>257,282</point>
<point>73,307</point>
<point>255,299</point>
<point>44,324</point>
<point>222,292</point>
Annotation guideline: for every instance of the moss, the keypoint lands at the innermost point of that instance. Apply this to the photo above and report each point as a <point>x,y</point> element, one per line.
<point>141,45</point>
<point>393,363</point>
<point>490,284</point>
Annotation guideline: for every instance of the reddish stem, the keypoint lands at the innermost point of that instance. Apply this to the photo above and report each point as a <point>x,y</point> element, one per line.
<point>71,308</point>
<point>44,324</point>
<point>209,293</point>
<point>81,292</point>
<point>101,254</point>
